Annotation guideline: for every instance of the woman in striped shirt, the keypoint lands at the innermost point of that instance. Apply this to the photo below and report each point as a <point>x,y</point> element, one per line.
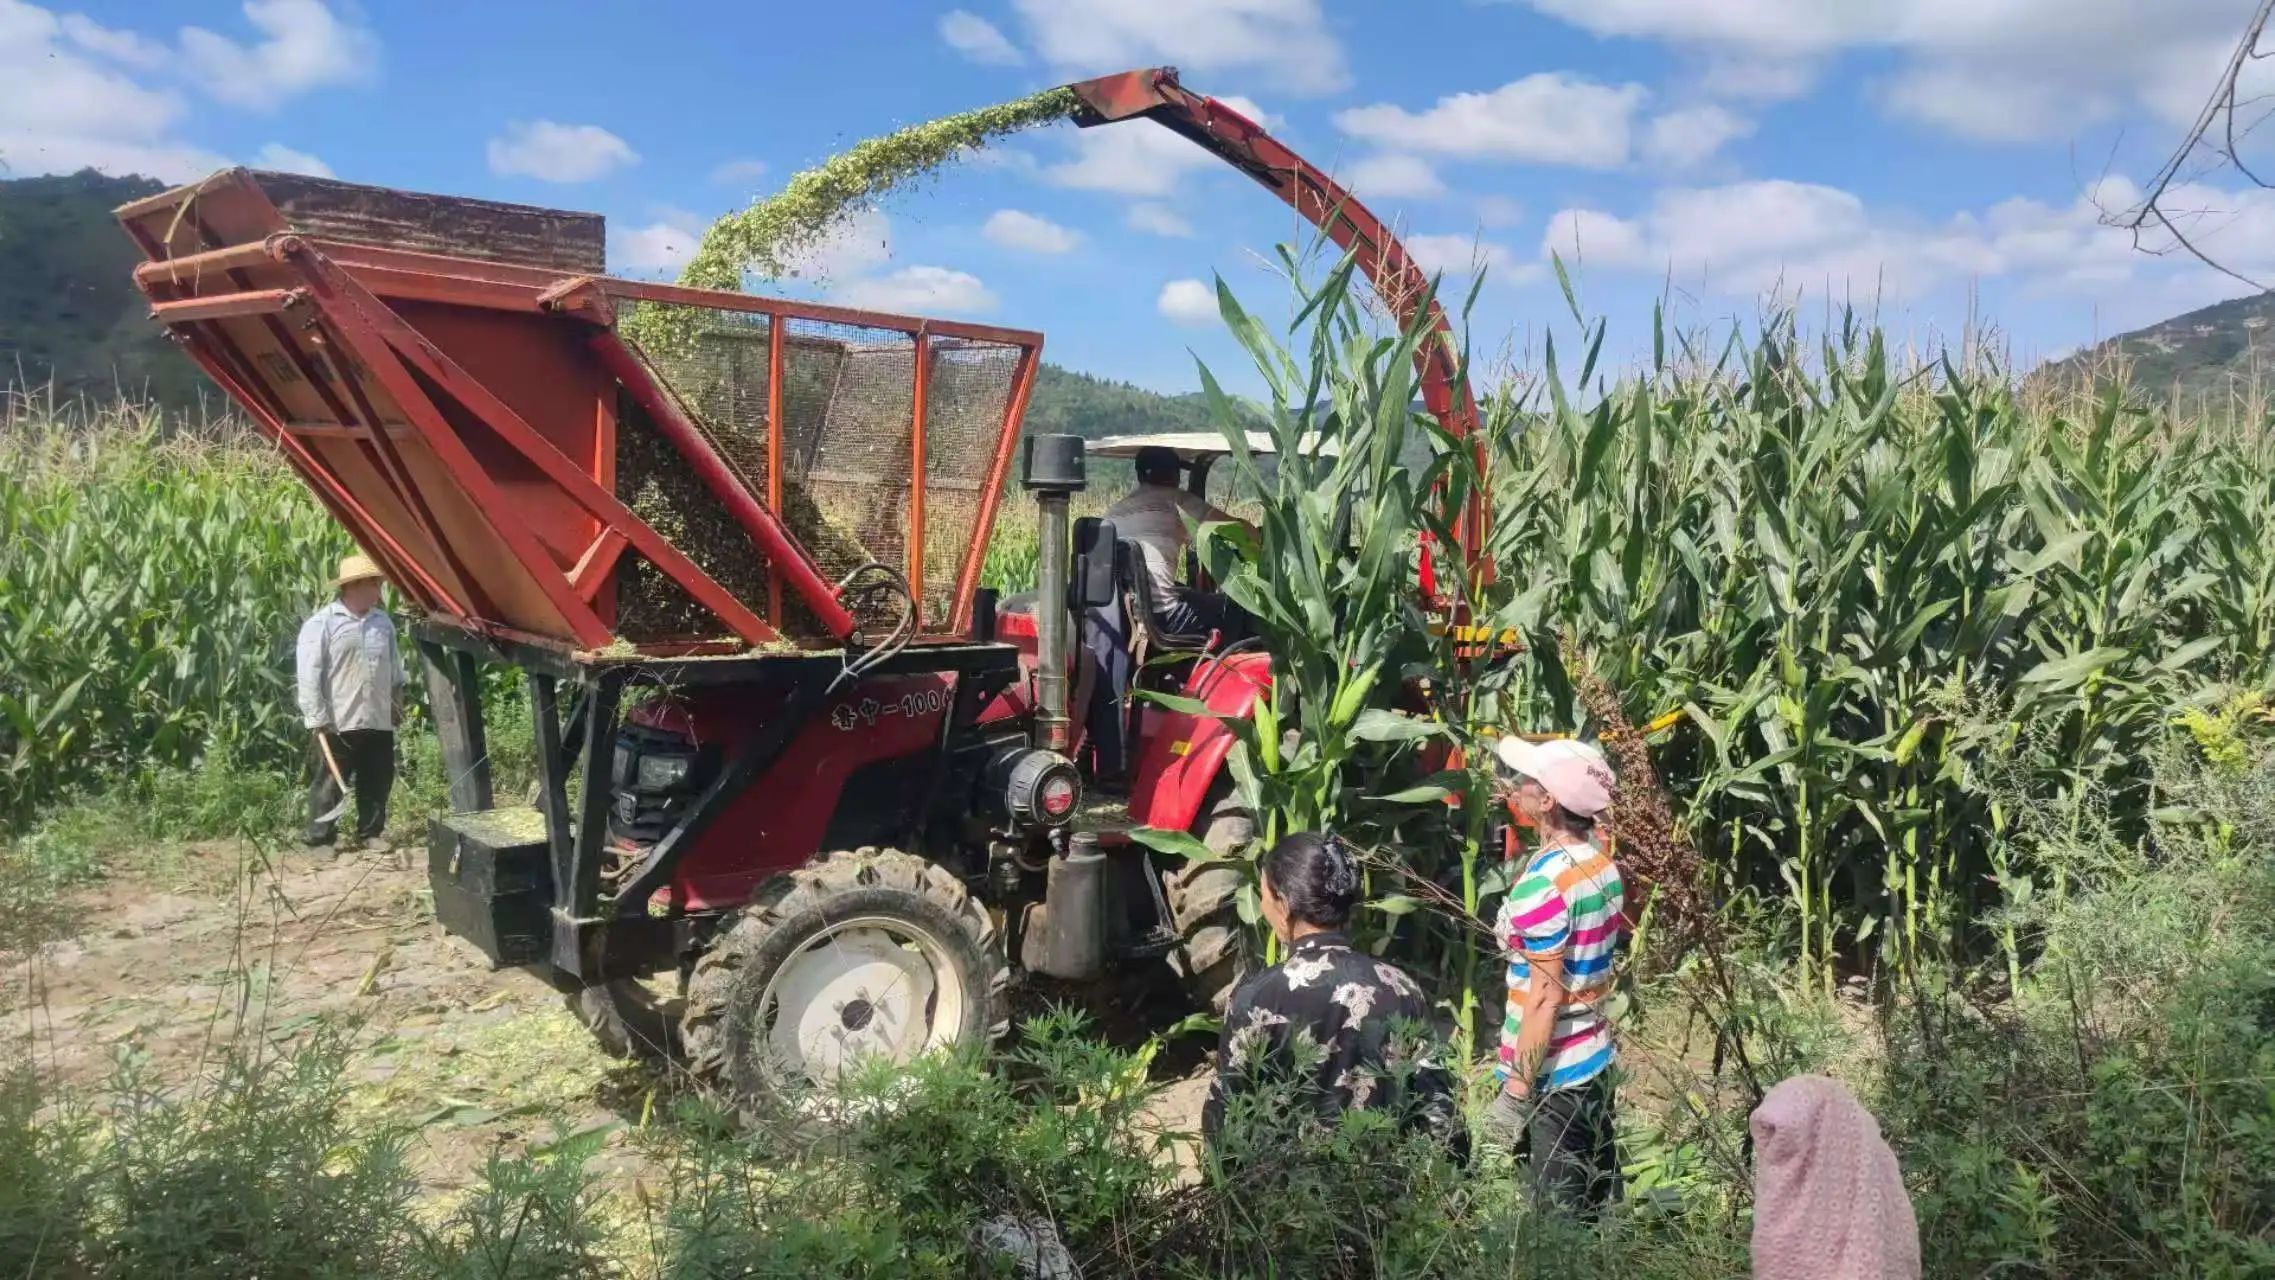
<point>1561,925</point>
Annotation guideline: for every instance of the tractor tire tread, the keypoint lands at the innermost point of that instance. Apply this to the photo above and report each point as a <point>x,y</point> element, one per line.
<point>1204,903</point>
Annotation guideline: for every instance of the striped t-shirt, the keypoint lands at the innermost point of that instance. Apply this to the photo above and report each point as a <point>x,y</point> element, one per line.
<point>1568,904</point>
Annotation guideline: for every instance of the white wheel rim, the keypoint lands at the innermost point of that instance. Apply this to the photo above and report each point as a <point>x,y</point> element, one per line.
<point>868,987</point>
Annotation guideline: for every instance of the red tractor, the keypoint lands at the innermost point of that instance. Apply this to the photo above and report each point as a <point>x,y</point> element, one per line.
<point>806,792</point>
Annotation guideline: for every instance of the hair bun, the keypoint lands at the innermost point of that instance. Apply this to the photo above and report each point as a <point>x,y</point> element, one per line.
<point>1342,867</point>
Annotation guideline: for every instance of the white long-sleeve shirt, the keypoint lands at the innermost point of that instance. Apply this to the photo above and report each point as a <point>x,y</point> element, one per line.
<point>349,669</point>
<point>1153,516</point>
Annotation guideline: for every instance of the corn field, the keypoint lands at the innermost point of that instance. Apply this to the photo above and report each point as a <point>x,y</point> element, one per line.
<point>1875,591</point>
<point>1879,596</point>
<point>150,588</point>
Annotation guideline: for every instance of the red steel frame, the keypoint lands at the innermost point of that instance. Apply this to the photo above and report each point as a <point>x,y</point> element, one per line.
<point>1154,93</point>
<point>337,297</point>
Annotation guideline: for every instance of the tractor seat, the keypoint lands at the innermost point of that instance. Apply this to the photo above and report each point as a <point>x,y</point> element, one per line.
<point>1021,604</point>
<point>1146,607</point>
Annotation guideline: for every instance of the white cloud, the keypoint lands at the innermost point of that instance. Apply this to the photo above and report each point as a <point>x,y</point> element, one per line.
<point>738,173</point>
<point>1191,302</point>
<point>61,110</point>
<point>1499,211</point>
<point>1391,176</point>
<point>1776,26</point>
<point>125,47</point>
<point>918,291</point>
<point>303,45</point>
<point>1743,77</point>
<point>1137,157</point>
<point>76,94</point>
<point>1017,229</point>
<point>283,158</point>
<point>1157,219</point>
<point>1750,237</point>
<point>1687,137</point>
<point>1590,236</point>
<point>1282,43</point>
<point>1460,255</point>
<point>659,248</point>
<point>1549,117</point>
<point>1997,70</point>
<point>1961,100</point>
<point>978,40</point>
<point>552,152</point>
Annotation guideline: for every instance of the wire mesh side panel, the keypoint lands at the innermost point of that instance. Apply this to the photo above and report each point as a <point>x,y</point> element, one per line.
<point>847,461</point>
<point>716,366</point>
<point>848,416</point>
<point>967,393</point>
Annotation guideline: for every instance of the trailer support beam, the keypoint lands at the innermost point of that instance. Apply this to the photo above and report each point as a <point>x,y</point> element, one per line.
<point>454,698</point>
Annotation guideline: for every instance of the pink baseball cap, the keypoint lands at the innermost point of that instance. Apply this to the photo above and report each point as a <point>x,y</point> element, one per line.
<point>1574,773</point>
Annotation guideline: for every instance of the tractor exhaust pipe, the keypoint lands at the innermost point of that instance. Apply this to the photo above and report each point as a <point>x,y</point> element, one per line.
<point>1053,471</point>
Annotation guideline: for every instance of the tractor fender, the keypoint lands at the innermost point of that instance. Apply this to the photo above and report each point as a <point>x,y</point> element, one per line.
<point>1184,752</point>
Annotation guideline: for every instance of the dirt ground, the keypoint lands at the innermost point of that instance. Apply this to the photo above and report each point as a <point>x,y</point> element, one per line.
<point>221,939</point>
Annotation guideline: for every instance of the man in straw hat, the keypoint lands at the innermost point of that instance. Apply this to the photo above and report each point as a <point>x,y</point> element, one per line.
<point>1561,925</point>
<point>351,694</point>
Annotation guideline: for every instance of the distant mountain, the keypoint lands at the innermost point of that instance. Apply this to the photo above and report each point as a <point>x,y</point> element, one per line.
<point>70,315</point>
<point>1069,403</point>
<point>2205,355</point>
<point>69,312</point>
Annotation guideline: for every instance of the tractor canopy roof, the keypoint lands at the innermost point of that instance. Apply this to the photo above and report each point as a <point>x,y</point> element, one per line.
<point>1201,446</point>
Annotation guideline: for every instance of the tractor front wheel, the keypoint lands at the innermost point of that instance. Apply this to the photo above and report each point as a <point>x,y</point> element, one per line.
<point>628,1020</point>
<point>860,955</point>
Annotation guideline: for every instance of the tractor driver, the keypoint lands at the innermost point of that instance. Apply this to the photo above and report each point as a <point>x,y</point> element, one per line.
<point>1153,516</point>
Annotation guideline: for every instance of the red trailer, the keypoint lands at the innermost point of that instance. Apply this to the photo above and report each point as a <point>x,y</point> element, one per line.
<point>805,792</point>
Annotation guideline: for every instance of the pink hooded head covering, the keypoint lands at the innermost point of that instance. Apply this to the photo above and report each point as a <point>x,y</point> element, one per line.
<point>1829,1201</point>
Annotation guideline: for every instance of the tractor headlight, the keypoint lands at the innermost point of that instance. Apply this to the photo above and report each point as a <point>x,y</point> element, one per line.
<point>661,773</point>
<point>1034,788</point>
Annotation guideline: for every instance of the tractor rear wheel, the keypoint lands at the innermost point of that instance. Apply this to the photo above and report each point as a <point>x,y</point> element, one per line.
<point>861,954</point>
<point>1204,903</point>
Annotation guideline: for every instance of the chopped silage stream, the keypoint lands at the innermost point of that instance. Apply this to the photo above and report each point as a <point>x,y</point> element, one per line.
<point>767,238</point>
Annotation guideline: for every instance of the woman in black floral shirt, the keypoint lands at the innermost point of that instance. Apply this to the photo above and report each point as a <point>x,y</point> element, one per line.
<point>1349,1030</point>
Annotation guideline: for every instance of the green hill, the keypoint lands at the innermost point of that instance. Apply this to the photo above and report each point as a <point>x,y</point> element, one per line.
<point>1066,402</point>
<point>2208,355</point>
<point>69,314</point>
<point>70,318</point>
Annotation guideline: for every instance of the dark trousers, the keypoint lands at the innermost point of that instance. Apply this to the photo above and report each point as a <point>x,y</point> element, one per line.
<point>367,760</point>
<point>1569,1146</point>
<point>1196,613</point>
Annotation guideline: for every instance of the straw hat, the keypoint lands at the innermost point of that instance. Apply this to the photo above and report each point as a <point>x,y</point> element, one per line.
<point>356,569</point>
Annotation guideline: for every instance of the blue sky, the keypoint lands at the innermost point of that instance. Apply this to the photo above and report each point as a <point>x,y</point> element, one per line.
<point>1944,156</point>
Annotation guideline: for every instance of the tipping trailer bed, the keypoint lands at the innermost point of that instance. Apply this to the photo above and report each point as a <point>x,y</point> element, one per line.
<point>469,394</point>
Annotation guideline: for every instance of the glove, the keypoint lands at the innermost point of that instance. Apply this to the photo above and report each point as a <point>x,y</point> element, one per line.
<point>1505,1119</point>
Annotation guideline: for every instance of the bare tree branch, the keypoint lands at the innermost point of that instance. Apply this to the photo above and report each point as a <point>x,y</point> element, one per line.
<point>2214,141</point>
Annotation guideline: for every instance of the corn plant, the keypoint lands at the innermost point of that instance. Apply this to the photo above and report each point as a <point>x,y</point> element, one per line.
<point>1328,571</point>
<point>149,594</point>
